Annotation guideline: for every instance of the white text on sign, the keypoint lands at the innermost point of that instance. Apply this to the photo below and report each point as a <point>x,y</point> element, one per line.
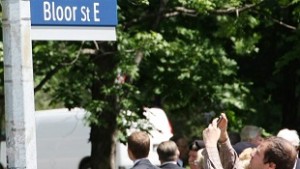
<point>53,12</point>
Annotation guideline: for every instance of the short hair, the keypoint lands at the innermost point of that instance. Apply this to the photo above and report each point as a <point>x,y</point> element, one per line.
<point>177,138</point>
<point>167,151</point>
<point>197,145</point>
<point>139,144</point>
<point>249,132</point>
<point>234,137</point>
<point>280,152</point>
<point>290,135</point>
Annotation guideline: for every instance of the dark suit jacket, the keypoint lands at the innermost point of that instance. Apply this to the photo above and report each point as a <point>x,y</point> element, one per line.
<point>170,166</point>
<point>240,146</point>
<point>144,164</point>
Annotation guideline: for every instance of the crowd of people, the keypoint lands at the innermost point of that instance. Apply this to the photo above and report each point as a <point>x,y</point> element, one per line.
<point>219,149</point>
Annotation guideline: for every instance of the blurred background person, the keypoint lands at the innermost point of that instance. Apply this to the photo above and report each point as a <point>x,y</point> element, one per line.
<point>293,137</point>
<point>245,157</point>
<point>182,143</point>
<point>234,137</point>
<point>196,157</point>
<point>168,154</point>
<point>251,136</point>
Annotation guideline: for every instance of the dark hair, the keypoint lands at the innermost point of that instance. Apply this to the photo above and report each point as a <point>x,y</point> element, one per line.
<point>280,152</point>
<point>197,145</point>
<point>167,151</point>
<point>139,144</point>
<point>234,137</point>
<point>177,137</point>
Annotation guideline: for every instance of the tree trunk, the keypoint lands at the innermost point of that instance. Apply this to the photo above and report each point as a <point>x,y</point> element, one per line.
<point>103,134</point>
<point>103,139</point>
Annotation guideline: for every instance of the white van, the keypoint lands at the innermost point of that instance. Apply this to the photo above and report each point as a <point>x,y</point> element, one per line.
<point>62,139</point>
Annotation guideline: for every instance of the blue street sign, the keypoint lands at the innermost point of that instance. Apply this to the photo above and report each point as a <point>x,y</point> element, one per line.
<point>73,12</point>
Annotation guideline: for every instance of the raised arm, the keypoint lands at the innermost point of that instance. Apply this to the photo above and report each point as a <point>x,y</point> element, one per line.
<point>214,134</point>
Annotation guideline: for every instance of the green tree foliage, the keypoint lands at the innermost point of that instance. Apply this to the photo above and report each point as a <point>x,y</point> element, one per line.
<point>185,67</point>
<point>168,60</point>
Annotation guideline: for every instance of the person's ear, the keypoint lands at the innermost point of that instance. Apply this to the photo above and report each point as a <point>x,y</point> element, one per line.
<point>271,165</point>
<point>130,155</point>
<point>177,153</point>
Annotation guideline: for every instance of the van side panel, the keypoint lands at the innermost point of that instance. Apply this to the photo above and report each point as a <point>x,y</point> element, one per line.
<point>63,139</point>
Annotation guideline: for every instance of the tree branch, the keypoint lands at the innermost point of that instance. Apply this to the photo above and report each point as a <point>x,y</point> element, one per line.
<point>139,54</point>
<point>88,51</point>
<point>48,76</point>
<point>235,10</point>
<point>284,24</point>
<point>194,13</point>
<point>182,10</point>
<point>162,7</point>
<point>52,72</point>
<point>77,56</point>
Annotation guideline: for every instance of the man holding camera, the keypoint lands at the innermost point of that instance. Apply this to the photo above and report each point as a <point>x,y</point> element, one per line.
<point>272,153</point>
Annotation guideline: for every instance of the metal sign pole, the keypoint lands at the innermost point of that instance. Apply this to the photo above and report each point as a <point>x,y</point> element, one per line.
<point>19,94</point>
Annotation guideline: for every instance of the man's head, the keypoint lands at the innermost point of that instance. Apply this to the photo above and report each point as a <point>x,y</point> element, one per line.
<point>274,153</point>
<point>196,159</point>
<point>183,146</point>
<point>251,134</point>
<point>167,151</point>
<point>138,145</point>
<point>290,135</point>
